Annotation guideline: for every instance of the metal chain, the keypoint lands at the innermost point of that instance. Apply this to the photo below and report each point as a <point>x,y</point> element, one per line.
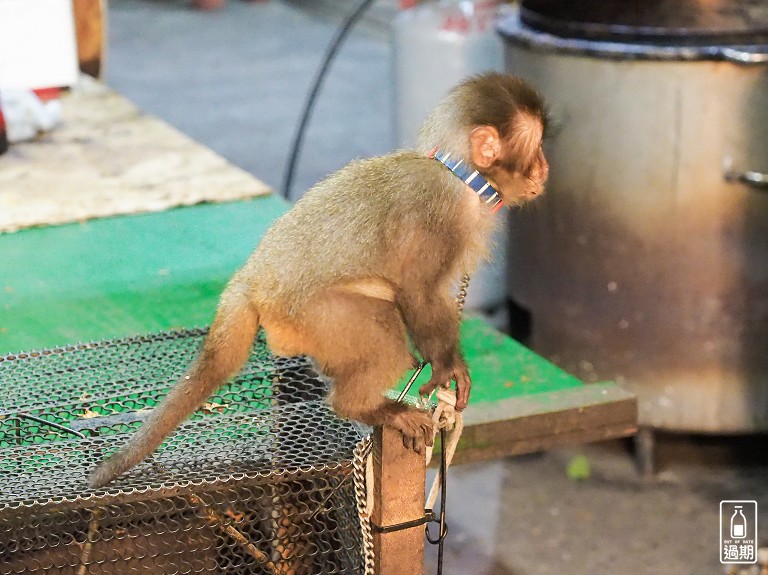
<point>461,299</point>
<point>461,296</point>
<point>359,463</point>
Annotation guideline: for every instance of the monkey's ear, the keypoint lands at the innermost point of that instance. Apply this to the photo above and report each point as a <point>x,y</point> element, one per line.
<point>485,146</point>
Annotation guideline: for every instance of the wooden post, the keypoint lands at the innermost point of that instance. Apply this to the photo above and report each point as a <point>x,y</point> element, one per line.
<point>399,477</point>
<point>90,29</point>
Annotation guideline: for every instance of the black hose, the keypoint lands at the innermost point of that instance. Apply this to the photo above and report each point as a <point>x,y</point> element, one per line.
<point>330,54</point>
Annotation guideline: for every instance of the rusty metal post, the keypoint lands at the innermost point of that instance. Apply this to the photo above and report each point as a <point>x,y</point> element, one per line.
<point>399,477</point>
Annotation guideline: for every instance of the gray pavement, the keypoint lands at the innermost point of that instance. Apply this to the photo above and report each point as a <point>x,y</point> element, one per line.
<point>235,80</point>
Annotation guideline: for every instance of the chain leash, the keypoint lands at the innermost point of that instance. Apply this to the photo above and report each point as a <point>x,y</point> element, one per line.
<point>363,491</point>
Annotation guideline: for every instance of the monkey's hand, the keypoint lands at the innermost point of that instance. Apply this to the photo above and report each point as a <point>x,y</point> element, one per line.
<point>442,374</point>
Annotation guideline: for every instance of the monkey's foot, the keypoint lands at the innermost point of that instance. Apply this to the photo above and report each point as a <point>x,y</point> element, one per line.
<point>416,427</point>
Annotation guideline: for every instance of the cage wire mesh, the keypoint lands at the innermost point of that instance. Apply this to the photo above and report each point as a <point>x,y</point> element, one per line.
<point>260,480</point>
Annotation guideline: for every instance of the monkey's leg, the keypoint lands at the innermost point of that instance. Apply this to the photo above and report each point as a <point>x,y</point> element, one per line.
<point>357,393</point>
<point>361,345</point>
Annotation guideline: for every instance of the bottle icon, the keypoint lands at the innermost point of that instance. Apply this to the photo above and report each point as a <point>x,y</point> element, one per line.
<point>738,524</point>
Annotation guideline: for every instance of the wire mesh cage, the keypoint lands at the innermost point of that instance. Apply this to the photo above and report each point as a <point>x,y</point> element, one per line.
<point>260,480</point>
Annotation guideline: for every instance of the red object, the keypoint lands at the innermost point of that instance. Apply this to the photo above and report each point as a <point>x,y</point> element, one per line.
<point>209,4</point>
<point>48,94</point>
<point>405,4</point>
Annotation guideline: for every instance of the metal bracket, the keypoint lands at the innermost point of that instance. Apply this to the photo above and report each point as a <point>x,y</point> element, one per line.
<point>428,517</point>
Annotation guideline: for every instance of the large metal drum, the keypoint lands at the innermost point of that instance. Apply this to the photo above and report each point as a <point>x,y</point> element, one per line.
<point>646,261</point>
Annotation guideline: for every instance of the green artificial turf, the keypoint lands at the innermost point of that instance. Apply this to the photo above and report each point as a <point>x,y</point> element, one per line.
<point>130,275</point>
<point>124,275</point>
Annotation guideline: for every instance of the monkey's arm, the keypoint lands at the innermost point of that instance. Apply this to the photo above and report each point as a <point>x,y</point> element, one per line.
<point>432,319</point>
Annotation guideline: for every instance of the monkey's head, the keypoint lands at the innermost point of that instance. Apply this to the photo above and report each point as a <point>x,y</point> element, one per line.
<point>496,122</point>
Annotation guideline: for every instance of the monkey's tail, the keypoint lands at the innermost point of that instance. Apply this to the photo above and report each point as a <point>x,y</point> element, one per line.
<point>224,352</point>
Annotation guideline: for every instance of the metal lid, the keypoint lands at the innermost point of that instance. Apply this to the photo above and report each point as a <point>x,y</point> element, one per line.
<point>678,22</point>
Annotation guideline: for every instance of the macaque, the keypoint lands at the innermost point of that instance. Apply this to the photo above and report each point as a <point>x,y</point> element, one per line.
<point>367,260</point>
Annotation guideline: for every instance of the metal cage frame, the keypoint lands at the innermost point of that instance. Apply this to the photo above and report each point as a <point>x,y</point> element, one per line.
<point>260,480</point>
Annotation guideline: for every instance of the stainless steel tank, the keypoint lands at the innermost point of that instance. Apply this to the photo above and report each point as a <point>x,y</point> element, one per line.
<point>646,261</point>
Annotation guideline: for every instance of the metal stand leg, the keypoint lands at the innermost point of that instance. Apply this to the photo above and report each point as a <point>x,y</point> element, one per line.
<point>645,452</point>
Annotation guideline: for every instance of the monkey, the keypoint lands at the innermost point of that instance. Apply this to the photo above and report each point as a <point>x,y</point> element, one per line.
<point>361,269</point>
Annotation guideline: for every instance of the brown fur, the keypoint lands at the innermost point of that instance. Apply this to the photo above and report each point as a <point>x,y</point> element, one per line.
<point>364,260</point>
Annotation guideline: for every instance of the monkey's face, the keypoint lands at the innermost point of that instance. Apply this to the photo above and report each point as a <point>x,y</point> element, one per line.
<point>515,165</point>
<point>519,184</point>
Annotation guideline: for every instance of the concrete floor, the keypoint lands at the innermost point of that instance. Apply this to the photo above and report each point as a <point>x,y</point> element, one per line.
<point>236,80</point>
